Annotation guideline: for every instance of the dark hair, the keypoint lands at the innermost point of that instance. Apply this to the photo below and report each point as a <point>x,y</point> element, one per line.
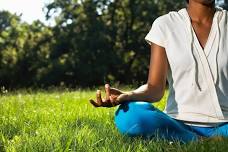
<point>187,1</point>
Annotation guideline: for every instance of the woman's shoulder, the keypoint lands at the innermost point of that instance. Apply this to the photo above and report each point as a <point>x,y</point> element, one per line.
<point>223,15</point>
<point>225,12</point>
<point>171,18</point>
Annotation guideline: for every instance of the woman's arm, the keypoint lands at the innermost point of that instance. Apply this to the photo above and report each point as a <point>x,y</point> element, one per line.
<point>154,89</point>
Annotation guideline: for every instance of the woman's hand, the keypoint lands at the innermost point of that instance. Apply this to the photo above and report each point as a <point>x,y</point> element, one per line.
<point>113,97</point>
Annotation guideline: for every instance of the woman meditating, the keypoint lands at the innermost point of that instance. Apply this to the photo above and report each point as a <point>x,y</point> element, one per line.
<point>189,48</point>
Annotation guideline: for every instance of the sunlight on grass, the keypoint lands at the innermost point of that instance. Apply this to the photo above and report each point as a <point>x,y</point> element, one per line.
<point>65,121</point>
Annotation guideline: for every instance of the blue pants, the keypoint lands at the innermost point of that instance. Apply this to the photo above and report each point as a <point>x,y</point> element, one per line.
<point>143,119</point>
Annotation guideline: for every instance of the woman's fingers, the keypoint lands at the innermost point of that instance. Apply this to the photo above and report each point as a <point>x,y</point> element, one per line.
<point>95,104</point>
<point>107,91</point>
<point>110,99</point>
<point>99,100</point>
<point>115,91</point>
<point>113,100</point>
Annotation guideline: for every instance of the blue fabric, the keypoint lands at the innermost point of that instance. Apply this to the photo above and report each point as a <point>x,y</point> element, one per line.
<point>220,130</point>
<point>138,118</point>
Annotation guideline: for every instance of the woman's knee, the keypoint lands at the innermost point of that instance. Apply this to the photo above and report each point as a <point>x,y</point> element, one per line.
<point>143,119</point>
<point>132,118</point>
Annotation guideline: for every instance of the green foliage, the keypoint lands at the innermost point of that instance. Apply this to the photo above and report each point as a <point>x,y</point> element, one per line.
<point>93,42</point>
<point>105,39</point>
<point>24,50</point>
<point>225,5</point>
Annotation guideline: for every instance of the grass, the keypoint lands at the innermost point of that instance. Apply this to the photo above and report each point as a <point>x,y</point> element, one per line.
<point>65,121</point>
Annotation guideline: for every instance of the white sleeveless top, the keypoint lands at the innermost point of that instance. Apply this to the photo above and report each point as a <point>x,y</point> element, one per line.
<point>197,77</point>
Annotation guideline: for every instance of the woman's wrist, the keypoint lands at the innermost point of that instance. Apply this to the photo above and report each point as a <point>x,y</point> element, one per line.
<point>125,96</point>
<point>129,95</point>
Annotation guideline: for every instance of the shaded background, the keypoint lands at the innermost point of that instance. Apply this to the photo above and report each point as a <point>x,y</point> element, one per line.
<point>92,42</point>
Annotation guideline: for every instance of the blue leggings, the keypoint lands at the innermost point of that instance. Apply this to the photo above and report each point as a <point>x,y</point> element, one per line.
<point>143,119</point>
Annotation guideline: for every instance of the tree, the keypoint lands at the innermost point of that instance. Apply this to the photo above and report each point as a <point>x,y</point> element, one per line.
<point>93,42</point>
<point>23,50</point>
<point>225,5</point>
<point>11,41</point>
<point>105,39</point>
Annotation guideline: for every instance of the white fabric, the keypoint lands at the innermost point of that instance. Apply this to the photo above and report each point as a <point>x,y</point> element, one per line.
<point>197,77</point>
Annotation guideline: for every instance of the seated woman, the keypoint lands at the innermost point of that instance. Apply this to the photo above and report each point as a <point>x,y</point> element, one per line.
<point>188,48</point>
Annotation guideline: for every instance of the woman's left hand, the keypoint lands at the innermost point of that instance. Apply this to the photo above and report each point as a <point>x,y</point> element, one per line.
<point>113,97</point>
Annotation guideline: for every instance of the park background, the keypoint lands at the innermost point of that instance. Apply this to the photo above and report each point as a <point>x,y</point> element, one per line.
<point>50,69</point>
<point>91,42</point>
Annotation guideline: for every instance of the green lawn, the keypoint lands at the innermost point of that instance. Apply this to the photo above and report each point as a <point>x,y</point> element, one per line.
<point>65,121</point>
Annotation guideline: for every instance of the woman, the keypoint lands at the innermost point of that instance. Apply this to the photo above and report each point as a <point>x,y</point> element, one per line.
<point>190,49</point>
